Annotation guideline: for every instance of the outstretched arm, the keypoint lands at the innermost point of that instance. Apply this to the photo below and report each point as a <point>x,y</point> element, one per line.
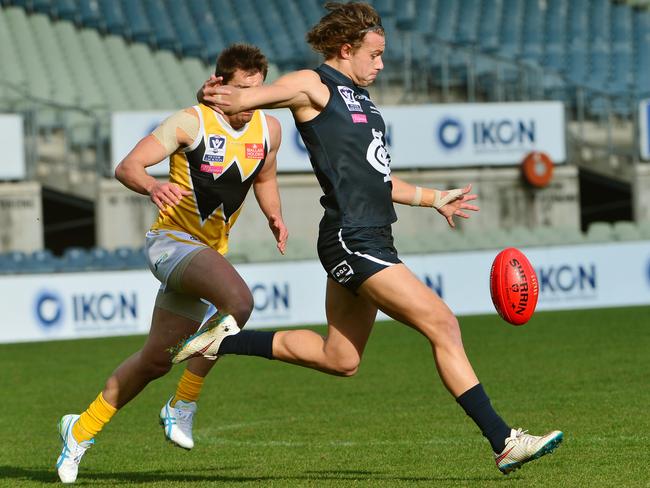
<point>448,203</point>
<point>299,90</point>
<point>176,131</point>
<point>265,187</point>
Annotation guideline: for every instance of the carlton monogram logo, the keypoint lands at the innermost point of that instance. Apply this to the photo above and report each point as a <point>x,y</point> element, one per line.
<point>377,155</point>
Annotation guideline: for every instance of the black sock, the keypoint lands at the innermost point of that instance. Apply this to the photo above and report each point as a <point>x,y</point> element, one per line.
<point>248,343</point>
<point>477,405</point>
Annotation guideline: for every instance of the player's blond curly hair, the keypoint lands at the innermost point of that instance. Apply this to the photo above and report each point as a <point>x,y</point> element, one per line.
<point>347,23</point>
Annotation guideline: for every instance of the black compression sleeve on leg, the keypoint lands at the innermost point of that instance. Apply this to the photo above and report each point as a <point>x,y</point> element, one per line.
<point>477,405</point>
<point>248,343</point>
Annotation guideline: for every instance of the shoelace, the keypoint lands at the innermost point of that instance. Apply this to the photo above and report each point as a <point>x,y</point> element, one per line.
<point>78,450</point>
<point>521,436</point>
<point>184,418</point>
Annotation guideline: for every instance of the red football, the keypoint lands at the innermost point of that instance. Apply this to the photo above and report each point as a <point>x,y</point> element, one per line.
<point>513,286</point>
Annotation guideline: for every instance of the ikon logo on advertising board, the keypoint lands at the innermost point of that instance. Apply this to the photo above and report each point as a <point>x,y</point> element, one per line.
<point>566,281</point>
<point>86,311</point>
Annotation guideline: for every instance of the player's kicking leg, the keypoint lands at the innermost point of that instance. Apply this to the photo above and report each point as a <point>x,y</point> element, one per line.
<point>398,293</point>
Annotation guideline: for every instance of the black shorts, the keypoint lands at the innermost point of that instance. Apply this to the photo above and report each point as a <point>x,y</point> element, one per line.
<point>351,256</point>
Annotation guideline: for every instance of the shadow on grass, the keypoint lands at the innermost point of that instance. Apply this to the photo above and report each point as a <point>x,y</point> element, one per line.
<point>96,478</point>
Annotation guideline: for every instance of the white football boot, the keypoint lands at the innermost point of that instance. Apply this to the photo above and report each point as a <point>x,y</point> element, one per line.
<point>67,464</point>
<point>177,421</point>
<point>522,447</point>
<point>206,341</point>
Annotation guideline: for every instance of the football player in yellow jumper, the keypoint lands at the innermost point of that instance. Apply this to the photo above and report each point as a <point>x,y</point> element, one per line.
<point>214,160</point>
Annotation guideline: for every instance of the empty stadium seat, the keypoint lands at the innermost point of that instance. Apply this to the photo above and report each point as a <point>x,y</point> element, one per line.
<point>207,28</point>
<point>75,259</point>
<point>90,14</point>
<point>131,258</point>
<point>488,25</point>
<point>522,237</point>
<point>599,232</point>
<point>446,20</point>
<point>644,229</point>
<point>511,28</point>
<point>65,9</point>
<point>102,259</point>
<point>626,231</point>
<point>43,261</point>
<point>14,262</point>
<point>164,33</point>
<point>113,15</point>
<point>139,27</point>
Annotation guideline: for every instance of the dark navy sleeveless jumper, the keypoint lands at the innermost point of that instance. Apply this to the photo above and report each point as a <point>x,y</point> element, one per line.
<point>346,144</point>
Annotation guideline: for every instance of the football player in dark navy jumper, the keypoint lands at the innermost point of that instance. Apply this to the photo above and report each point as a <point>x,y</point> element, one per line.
<point>345,135</point>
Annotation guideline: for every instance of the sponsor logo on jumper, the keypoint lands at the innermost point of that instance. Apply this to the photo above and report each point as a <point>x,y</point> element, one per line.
<point>207,168</point>
<point>347,94</point>
<point>359,118</point>
<point>215,150</point>
<point>254,151</point>
<point>377,155</point>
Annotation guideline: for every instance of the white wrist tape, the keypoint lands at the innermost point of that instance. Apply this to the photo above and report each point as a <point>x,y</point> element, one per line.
<point>417,198</point>
<point>439,201</point>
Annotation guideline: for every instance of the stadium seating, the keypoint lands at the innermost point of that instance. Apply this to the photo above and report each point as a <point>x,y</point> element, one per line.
<point>597,45</point>
<point>626,231</point>
<point>600,232</point>
<point>98,259</point>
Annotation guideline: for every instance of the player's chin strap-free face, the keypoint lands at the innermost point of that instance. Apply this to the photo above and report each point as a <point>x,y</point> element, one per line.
<point>438,200</point>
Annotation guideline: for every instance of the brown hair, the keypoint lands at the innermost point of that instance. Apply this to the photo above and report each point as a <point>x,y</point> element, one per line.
<point>245,57</point>
<point>347,23</point>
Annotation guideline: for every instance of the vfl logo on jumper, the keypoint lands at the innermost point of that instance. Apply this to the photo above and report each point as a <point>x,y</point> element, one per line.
<point>377,155</point>
<point>347,94</point>
<point>48,308</point>
<point>215,150</point>
<point>568,281</point>
<point>342,272</point>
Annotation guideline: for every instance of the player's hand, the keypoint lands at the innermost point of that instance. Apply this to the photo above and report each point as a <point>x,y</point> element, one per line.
<point>458,206</point>
<point>280,232</point>
<point>165,194</point>
<point>212,94</point>
<point>205,94</point>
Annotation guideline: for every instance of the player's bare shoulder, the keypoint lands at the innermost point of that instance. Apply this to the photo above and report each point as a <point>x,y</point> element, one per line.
<point>275,130</point>
<point>308,93</point>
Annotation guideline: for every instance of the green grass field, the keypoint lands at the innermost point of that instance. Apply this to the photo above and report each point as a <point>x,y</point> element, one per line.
<point>263,423</point>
